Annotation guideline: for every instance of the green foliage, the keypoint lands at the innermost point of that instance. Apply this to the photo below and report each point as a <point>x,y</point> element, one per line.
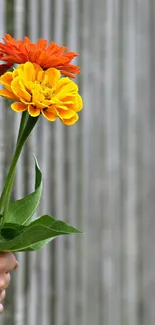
<point>15,237</point>
<point>21,211</point>
<point>21,232</point>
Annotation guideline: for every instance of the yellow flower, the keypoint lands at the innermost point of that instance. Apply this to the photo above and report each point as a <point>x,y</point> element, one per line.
<point>40,91</point>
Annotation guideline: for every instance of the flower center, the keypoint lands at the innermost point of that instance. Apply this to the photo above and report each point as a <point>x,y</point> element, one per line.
<point>44,89</point>
<point>47,91</point>
<point>41,92</point>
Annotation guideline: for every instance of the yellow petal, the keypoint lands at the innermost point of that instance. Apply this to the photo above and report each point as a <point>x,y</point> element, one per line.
<point>78,103</point>
<point>29,85</point>
<point>40,105</point>
<point>65,108</point>
<point>19,90</point>
<point>68,100</point>
<point>48,115</point>
<point>15,72</point>
<point>47,102</point>
<point>8,94</point>
<point>52,76</point>
<point>39,72</point>
<point>65,114</point>
<point>33,111</point>
<point>65,86</point>
<point>6,80</point>
<point>40,75</point>
<point>19,107</point>
<point>27,73</point>
<point>71,121</point>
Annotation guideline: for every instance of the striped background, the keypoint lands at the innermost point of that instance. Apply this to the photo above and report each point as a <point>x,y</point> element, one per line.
<point>98,175</point>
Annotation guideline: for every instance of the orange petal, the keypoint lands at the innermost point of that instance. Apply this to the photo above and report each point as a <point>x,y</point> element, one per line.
<point>41,44</point>
<point>33,111</point>
<point>49,115</point>
<point>7,94</point>
<point>19,107</point>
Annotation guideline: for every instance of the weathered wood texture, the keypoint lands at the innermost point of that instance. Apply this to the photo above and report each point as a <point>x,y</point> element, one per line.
<point>98,175</point>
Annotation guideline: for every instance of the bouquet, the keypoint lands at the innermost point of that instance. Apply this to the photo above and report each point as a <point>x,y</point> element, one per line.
<point>39,84</point>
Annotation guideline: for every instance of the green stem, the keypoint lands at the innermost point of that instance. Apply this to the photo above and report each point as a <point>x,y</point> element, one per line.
<point>20,143</point>
<point>21,129</point>
<point>22,124</point>
<point>7,200</point>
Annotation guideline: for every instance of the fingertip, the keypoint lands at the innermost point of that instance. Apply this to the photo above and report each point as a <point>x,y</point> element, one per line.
<point>16,265</point>
<point>2,295</point>
<point>1,308</point>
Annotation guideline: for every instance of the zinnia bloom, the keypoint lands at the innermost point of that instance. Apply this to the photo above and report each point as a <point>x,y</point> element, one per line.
<point>39,91</point>
<point>47,56</point>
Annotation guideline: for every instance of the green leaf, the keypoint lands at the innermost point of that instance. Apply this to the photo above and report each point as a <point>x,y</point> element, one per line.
<point>36,247</point>
<point>22,210</point>
<point>10,231</point>
<point>33,236</point>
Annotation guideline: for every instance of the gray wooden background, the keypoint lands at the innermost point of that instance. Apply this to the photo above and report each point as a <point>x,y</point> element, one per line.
<point>98,175</point>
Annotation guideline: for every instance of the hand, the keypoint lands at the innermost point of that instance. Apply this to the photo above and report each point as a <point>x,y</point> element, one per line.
<point>7,264</point>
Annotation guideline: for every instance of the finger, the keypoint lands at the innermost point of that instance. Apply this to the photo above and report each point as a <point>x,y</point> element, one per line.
<point>4,281</point>
<point>1,308</point>
<point>17,265</point>
<point>7,262</point>
<point>2,295</point>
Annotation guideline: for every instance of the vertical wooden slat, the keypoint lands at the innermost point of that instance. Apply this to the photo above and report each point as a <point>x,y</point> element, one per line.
<point>144,189</point>
<point>107,231</point>
<point>72,43</point>
<point>19,296</point>
<point>115,162</point>
<point>150,262</point>
<point>95,166</point>
<point>111,169</point>
<point>146,107</point>
<point>45,308</point>
<point>33,20</point>
<point>85,60</point>
<point>102,181</point>
<point>33,308</point>
<point>59,180</point>
<point>130,225</point>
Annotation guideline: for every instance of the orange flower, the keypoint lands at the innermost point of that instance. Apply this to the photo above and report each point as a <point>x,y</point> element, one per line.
<point>47,56</point>
<point>39,91</point>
